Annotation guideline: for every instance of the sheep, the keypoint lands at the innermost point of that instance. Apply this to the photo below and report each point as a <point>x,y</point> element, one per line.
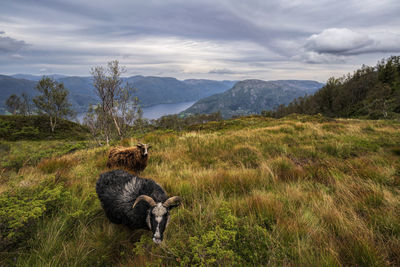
<point>138,203</point>
<point>132,159</point>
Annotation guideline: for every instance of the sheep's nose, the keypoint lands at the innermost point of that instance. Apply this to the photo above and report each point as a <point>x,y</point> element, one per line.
<point>157,235</point>
<point>157,240</point>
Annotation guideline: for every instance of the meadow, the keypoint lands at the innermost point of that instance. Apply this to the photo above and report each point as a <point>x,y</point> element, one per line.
<point>300,190</point>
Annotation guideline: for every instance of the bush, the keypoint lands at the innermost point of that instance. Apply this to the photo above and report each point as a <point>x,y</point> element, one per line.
<point>229,241</point>
<point>21,210</point>
<point>27,132</point>
<point>5,128</point>
<point>4,148</point>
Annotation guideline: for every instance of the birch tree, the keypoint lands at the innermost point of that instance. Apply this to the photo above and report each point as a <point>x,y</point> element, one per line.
<point>52,101</point>
<point>118,107</point>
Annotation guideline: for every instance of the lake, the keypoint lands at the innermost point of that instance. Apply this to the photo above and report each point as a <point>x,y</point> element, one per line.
<point>157,111</point>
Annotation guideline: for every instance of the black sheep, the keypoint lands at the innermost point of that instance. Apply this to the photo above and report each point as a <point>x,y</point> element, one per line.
<point>138,203</point>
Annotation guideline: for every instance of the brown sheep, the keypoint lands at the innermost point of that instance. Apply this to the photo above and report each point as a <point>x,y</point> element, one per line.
<point>133,159</point>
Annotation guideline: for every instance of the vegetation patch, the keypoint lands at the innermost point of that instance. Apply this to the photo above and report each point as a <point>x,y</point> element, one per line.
<point>19,127</point>
<point>253,195</point>
<point>21,210</point>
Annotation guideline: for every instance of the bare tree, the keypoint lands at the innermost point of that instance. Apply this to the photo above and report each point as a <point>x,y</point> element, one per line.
<point>118,107</point>
<point>13,104</point>
<point>26,108</point>
<point>19,105</point>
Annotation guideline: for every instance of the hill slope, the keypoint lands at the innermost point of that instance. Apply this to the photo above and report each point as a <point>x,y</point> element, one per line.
<point>298,191</point>
<point>370,92</point>
<point>253,96</point>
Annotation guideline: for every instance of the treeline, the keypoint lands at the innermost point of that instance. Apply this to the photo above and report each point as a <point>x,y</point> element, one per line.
<point>370,92</point>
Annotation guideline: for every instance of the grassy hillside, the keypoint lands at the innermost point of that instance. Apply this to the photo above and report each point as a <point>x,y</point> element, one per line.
<point>257,191</point>
<point>370,92</point>
<point>18,127</point>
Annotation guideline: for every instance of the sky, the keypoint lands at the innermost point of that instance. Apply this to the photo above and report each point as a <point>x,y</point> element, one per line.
<point>207,39</point>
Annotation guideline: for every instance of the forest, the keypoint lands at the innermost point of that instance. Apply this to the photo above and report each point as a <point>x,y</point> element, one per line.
<point>370,92</point>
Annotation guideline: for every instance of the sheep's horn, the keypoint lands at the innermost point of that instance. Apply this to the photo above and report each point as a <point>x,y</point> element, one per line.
<point>148,199</point>
<point>171,201</point>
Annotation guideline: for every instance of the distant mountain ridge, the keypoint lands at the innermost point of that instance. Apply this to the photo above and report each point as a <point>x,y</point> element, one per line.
<point>37,77</point>
<point>151,90</point>
<point>253,96</point>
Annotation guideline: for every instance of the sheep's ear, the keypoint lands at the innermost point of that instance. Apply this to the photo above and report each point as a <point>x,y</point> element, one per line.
<point>139,145</point>
<point>172,202</point>
<point>149,146</point>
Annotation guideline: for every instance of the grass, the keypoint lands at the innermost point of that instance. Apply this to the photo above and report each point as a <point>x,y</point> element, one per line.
<point>300,190</point>
<point>37,127</point>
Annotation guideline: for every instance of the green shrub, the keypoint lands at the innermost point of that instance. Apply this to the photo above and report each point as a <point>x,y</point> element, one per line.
<point>5,128</point>
<point>4,148</point>
<point>27,132</point>
<point>14,162</point>
<point>228,240</point>
<point>21,210</point>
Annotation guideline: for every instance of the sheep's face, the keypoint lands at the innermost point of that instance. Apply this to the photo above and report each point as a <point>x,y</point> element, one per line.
<point>144,149</point>
<point>157,218</point>
<point>157,221</point>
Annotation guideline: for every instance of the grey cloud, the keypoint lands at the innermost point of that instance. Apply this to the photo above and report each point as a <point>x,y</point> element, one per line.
<point>249,35</point>
<point>221,71</point>
<point>10,45</point>
<point>344,41</point>
<point>319,58</point>
<point>337,41</point>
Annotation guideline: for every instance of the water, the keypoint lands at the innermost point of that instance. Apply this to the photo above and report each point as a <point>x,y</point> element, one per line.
<point>157,111</point>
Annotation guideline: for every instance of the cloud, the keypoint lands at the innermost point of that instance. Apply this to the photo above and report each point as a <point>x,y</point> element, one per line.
<point>343,41</point>
<point>221,71</point>
<point>10,45</point>
<point>312,57</point>
<point>191,38</point>
<point>337,41</point>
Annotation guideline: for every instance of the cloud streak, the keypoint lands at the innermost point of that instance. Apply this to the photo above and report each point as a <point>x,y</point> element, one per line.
<point>227,39</point>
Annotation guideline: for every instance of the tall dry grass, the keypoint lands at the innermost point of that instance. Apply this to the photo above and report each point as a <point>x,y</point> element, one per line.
<point>291,191</point>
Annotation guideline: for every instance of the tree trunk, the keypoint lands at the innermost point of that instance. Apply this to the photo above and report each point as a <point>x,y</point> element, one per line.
<point>117,126</point>
<point>53,123</point>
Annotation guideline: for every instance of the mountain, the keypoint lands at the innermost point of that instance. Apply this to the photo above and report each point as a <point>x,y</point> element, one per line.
<point>167,90</point>
<point>254,96</point>
<point>81,94</point>
<point>10,85</point>
<point>37,77</point>
<point>150,90</point>
<point>209,87</point>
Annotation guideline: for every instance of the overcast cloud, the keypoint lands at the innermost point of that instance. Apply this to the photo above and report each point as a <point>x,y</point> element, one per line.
<point>215,39</point>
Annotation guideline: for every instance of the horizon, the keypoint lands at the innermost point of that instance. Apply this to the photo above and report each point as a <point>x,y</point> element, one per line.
<point>215,40</point>
<point>147,76</point>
